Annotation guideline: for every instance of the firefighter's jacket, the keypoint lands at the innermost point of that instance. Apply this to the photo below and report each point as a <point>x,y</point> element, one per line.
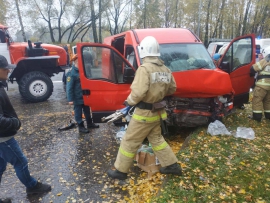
<point>263,78</point>
<point>73,87</point>
<point>152,82</point>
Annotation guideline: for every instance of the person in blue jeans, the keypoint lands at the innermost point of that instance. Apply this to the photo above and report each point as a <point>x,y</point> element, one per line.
<point>75,97</point>
<point>10,151</point>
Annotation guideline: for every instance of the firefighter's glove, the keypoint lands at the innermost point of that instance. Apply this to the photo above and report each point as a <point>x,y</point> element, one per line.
<point>267,58</point>
<point>126,103</point>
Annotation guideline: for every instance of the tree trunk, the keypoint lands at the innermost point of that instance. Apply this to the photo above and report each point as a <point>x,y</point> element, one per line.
<point>20,20</point>
<point>176,13</point>
<point>93,19</point>
<point>246,18</point>
<point>220,16</point>
<point>99,22</point>
<point>206,24</point>
<point>144,15</point>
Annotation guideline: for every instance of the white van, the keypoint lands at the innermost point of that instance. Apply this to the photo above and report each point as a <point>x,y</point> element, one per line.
<point>214,47</point>
<point>263,43</point>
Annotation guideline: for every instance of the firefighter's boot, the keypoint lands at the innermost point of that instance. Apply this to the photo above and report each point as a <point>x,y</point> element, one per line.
<point>257,116</point>
<point>82,129</point>
<point>267,115</point>
<point>115,174</point>
<point>174,169</point>
<point>92,125</point>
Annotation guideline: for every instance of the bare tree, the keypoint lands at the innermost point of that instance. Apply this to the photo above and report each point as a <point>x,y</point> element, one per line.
<point>118,7</point>
<point>20,20</point>
<point>3,6</point>
<point>93,19</point>
<point>207,23</point>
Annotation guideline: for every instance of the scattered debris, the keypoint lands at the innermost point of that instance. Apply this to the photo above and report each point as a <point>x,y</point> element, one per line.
<point>217,128</point>
<point>246,133</point>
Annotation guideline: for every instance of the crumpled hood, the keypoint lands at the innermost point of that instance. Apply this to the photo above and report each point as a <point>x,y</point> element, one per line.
<point>202,83</point>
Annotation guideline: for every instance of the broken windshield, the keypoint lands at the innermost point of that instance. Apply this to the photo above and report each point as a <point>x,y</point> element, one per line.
<point>182,57</point>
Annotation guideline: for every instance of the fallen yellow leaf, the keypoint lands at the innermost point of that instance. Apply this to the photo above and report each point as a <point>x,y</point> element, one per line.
<point>242,191</point>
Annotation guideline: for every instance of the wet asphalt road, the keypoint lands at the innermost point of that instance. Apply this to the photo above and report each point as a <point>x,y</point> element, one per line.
<point>73,164</point>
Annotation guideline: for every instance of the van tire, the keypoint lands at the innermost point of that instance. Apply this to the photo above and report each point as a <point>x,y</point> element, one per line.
<point>35,86</point>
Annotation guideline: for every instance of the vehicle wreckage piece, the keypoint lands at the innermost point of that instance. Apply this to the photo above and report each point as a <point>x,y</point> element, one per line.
<point>117,115</point>
<point>72,124</point>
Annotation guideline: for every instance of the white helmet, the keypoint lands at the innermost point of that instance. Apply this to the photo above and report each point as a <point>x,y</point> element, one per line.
<point>149,47</point>
<point>266,51</point>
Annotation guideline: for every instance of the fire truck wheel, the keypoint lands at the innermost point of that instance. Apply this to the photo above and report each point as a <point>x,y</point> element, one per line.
<point>36,86</point>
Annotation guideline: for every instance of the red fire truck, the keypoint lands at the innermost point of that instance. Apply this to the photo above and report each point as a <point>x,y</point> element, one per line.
<point>35,64</point>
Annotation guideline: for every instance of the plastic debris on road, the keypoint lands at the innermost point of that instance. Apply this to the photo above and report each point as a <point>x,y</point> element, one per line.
<point>120,134</point>
<point>217,128</point>
<point>246,133</point>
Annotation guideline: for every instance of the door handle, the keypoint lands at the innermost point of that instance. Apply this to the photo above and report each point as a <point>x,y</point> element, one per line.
<point>86,92</point>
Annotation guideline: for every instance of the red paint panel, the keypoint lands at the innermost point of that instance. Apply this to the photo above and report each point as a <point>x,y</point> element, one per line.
<point>202,83</point>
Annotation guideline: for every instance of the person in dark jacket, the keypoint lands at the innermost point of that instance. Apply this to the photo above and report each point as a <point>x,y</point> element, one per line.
<point>75,97</point>
<point>10,151</point>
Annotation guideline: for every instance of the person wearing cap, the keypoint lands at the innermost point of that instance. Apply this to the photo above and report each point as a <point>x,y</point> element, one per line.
<point>10,151</point>
<point>75,97</point>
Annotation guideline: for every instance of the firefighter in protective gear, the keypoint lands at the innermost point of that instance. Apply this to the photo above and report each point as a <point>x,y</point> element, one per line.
<point>261,95</point>
<point>152,82</point>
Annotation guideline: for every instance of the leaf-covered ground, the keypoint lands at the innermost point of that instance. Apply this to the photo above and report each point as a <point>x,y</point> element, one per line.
<point>223,168</point>
<point>74,164</point>
<point>215,168</point>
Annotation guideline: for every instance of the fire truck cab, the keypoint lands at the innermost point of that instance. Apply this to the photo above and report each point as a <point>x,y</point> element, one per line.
<point>204,92</point>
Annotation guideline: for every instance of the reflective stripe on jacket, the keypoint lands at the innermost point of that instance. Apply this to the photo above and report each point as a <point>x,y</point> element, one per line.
<point>153,81</point>
<point>263,68</point>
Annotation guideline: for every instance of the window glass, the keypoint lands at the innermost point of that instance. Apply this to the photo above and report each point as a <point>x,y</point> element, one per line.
<point>103,63</point>
<point>242,52</point>
<point>182,57</point>
<point>131,57</point>
<point>210,48</point>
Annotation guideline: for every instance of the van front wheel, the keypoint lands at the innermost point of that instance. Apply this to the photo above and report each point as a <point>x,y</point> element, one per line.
<point>35,86</point>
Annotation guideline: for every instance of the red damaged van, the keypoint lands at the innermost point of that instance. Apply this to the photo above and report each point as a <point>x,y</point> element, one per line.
<point>204,92</point>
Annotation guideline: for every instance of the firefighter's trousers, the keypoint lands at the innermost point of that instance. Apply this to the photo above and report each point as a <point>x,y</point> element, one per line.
<point>132,140</point>
<point>261,102</point>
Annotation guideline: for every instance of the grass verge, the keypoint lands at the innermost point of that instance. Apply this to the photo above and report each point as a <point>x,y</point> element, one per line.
<point>223,168</point>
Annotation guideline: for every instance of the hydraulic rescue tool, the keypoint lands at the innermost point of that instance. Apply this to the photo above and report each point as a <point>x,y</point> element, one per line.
<point>117,115</point>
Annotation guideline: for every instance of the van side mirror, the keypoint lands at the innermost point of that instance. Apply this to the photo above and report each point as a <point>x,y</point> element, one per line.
<point>225,66</point>
<point>129,74</point>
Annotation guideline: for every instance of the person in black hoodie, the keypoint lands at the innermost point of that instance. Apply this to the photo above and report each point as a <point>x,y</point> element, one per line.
<point>10,151</point>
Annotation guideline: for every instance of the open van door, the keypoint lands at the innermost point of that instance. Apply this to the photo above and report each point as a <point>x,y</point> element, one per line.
<point>237,59</point>
<point>105,78</point>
